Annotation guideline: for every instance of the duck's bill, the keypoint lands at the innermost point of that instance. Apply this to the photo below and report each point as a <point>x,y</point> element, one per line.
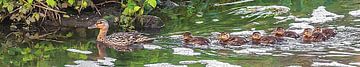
<point>92,26</point>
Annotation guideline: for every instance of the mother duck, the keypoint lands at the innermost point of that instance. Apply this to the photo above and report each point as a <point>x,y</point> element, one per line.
<point>121,41</point>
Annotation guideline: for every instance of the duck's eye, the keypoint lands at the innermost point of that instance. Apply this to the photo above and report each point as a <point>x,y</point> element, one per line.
<point>98,22</point>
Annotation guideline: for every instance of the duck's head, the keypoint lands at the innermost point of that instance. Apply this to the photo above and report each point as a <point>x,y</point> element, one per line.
<point>307,32</point>
<point>279,30</point>
<point>224,36</point>
<point>317,29</point>
<point>101,24</point>
<point>187,36</point>
<point>256,36</point>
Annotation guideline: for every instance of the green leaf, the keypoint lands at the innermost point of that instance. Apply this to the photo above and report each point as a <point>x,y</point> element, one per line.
<point>36,16</point>
<point>84,4</point>
<point>52,3</point>
<point>136,8</point>
<point>38,52</point>
<point>26,51</point>
<point>82,56</point>
<point>152,3</point>
<point>71,2</point>
<point>69,34</point>
<point>37,45</point>
<point>30,1</point>
<point>141,12</point>
<point>126,11</point>
<point>10,7</point>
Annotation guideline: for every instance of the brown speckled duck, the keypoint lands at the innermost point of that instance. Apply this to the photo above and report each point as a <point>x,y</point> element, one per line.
<point>280,32</point>
<point>121,41</point>
<point>326,31</point>
<point>188,39</point>
<point>315,36</point>
<point>226,39</point>
<point>258,39</point>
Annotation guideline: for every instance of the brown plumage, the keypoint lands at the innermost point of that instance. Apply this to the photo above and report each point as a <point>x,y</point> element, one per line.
<point>121,41</point>
<point>328,33</point>
<point>315,36</point>
<point>258,39</point>
<point>188,39</point>
<point>279,32</point>
<point>307,35</point>
<point>226,39</point>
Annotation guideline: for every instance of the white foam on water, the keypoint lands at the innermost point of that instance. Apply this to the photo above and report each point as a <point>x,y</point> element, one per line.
<point>152,47</point>
<point>107,62</point>
<point>355,63</point>
<point>215,20</point>
<point>356,20</point>
<point>355,13</point>
<point>247,33</point>
<point>79,51</point>
<point>320,15</point>
<point>188,62</point>
<point>199,22</point>
<point>347,53</point>
<point>300,25</point>
<point>332,64</point>
<point>215,63</point>
<point>185,51</point>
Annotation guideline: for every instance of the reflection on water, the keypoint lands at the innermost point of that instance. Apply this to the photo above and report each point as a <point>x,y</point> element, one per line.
<point>214,19</point>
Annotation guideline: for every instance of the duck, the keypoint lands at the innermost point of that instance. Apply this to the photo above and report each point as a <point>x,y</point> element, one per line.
<point>314,36</point>
<point>307,35</point>
<point>225,39</point>
<point>279,32</point>
<point>120,41</point>
<point>326,31</point>
<point>258,39</point>
<point>188,39</point>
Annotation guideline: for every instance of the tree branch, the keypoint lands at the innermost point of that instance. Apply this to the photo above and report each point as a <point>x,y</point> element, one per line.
<point>57,11</point>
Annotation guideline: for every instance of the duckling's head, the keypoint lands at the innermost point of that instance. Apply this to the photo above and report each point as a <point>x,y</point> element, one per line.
<point>224,36</point>
<point>101,24</point>
<point>279,30</point>
<point>187,36</point>
<point>307,32</point>
<point>256,36</point>
<point>317,29</point>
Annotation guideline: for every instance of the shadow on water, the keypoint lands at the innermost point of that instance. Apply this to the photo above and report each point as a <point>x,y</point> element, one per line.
<point>199,17</point>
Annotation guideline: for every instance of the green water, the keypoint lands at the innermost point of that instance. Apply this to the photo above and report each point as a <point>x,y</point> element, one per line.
<point>48,54</point>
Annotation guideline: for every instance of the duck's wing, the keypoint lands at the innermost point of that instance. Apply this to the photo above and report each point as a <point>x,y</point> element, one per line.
<point>128,38</point>
<point>120,38</point>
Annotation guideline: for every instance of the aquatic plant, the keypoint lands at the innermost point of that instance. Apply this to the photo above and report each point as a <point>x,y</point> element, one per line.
<point>134,9</point>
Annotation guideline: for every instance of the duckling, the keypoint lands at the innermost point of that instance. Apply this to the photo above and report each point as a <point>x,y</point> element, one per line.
<point>226,39</point>
<point>327,32</point>
<point>307,35</point>
<point>315,36</point>
<point>258,39</point>
<point>280,32</point>
<point>121,41</point>
<point>188,39</point>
